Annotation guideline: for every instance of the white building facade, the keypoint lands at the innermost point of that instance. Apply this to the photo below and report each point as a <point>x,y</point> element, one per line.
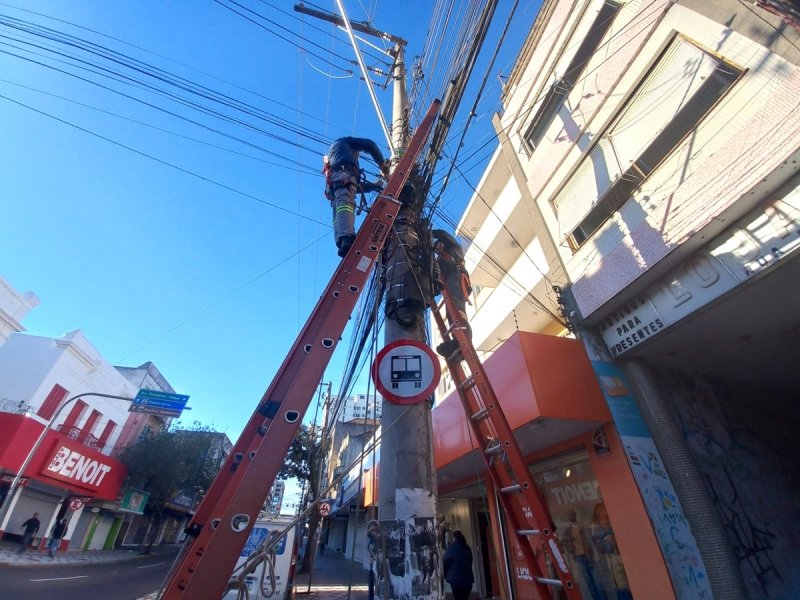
<point>647,168</point>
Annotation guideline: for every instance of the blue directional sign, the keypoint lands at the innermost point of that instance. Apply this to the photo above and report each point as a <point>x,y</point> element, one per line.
<point>156,402</point>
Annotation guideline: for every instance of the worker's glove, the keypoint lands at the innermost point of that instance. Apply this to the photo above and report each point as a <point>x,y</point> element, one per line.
<point>386,167</point>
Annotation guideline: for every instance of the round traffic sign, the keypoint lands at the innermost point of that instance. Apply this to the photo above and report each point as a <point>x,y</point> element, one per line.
<point>324,509</point>
<point>76,503</point>
<point>406,372</point>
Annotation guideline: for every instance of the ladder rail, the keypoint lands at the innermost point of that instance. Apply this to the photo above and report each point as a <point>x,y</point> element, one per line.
<point>479,401</point>
<point>226,516</point>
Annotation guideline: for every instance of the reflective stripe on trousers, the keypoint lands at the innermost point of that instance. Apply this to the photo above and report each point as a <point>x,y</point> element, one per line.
<point>344,204</point>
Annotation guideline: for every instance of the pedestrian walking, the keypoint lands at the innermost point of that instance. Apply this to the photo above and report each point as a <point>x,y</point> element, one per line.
<point>31,527</point>
<point>343,179</point>
<point>59,529</point>
<point>458,567</point>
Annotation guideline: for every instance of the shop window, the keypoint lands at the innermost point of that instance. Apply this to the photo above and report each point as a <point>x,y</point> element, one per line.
<point>576,505</point>
<point>50,404</point>
<point>558,92</point>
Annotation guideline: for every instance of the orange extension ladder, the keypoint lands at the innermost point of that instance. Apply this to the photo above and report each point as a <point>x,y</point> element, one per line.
<point>219,529</point>
<point>524,506</point>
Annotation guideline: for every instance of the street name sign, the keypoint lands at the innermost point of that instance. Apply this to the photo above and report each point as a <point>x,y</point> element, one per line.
<point>159,403</point>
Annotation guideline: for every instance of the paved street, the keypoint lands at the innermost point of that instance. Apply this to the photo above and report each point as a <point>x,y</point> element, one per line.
<point>126,580</point>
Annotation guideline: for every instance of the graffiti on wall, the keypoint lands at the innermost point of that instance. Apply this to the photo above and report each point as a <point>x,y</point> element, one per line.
<point>687,571</point>
<point>742,450</point>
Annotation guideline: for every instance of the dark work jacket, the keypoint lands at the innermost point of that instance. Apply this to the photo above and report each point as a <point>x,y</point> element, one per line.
<point>31,525</point>
<point>458,565</point>
<point>59,530</point>
<point>343,151</point>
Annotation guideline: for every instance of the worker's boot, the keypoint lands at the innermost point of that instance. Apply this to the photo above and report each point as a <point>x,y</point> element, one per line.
<point>344,243</point>
<point>448,349</point>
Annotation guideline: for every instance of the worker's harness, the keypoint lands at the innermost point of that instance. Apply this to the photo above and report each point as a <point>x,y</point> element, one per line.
<point>330,185</point>
<point>357,178</point>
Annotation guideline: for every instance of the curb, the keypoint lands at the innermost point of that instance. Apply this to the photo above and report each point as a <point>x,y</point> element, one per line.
<point>43,561</point>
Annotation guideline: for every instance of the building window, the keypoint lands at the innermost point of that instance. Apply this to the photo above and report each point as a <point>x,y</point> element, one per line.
<point>558,92</point>
<point>681,88</point>
<point>50,404</point>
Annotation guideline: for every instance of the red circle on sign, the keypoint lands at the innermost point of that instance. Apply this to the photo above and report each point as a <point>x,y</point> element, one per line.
<point>422,394</point>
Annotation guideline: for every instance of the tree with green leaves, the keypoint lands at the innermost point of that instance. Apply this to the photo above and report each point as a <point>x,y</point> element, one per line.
<point>304,462</point>
<point>168,461</point>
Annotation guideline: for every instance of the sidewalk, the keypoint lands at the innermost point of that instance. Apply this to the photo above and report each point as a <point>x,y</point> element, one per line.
<point>330,581</point>
<point>332,574</point>
<point>9,556</point>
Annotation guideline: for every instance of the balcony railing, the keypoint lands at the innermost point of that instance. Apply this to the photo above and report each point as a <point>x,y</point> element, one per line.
<point>72,433</point>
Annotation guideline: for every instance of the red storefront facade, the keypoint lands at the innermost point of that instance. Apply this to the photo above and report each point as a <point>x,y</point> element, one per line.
<point>63,475</point>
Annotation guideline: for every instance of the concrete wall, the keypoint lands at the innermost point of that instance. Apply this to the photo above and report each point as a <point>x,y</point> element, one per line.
<point>750,466</point>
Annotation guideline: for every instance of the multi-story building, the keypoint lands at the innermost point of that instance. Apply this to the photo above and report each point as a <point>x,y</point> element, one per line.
<point>358,406</point>
<point>349,431</point>
<point>647,167</point>
<point>138,425</point>
<point>39,380</point>
<point>56,381</point>
<point>274,503</point>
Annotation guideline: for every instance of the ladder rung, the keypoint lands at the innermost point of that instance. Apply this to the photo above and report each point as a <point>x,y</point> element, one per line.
<point>511,489</point>
<point>528,532</point>
<point>496,449</point>
<point>547,581</point>
<point>456,355</point>
<point>481,414</point>
<point>468,382</point>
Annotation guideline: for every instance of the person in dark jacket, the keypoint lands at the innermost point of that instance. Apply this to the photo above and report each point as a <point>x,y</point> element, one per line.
<point>59,529</point>
<point>31,527</point>
<point>458,567</point>
<point>343,180</point>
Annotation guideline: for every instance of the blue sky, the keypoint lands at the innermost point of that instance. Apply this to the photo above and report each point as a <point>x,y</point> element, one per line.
<point>169,249</point>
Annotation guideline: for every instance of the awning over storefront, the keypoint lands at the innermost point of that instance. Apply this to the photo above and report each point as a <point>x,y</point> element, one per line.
<point>60,461</point>
<point>547,389</point>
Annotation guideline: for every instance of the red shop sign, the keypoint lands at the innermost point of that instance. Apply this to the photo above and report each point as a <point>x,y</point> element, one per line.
<point>82,467</point>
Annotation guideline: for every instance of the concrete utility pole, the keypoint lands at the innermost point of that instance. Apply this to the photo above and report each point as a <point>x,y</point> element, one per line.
<point>407,488</point>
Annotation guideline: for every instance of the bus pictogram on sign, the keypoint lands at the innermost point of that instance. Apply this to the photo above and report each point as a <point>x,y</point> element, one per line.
<point>407,368</point>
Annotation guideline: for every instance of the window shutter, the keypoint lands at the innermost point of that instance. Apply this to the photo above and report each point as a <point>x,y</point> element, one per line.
<point>86,430</point>
<point>50,404</point>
